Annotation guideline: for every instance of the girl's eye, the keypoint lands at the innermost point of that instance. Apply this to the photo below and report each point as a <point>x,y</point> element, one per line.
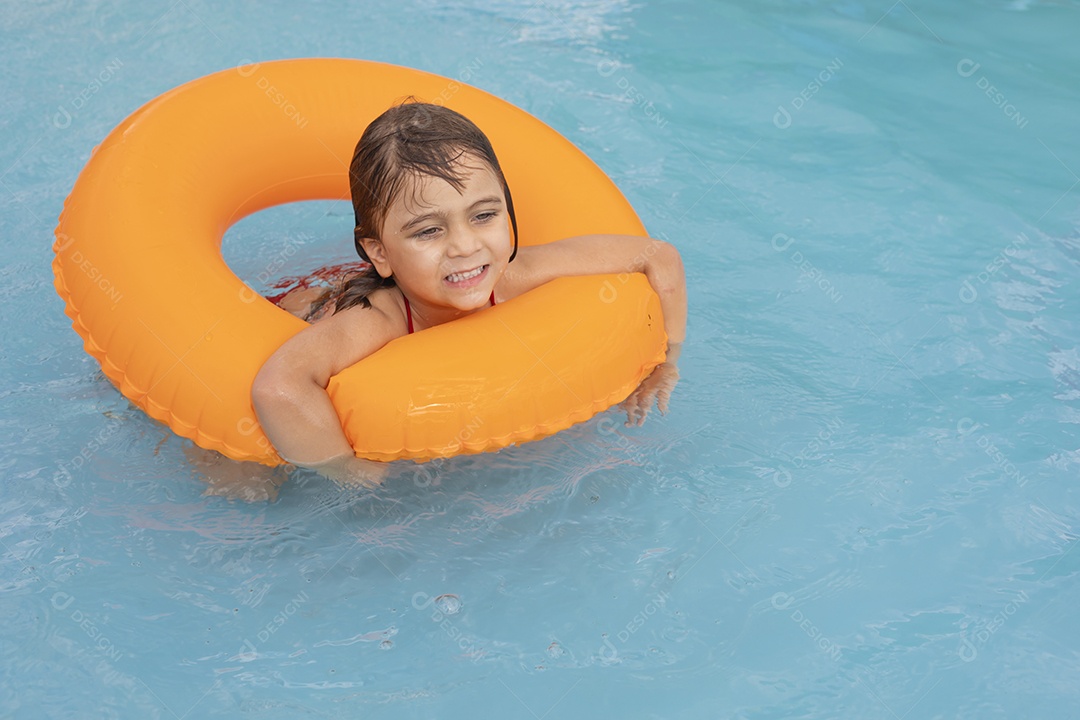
<point>487,215</point>
<point>427,232</point>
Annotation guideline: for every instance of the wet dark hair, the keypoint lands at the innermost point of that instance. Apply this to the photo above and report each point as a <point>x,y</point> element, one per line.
<point>408,141</point>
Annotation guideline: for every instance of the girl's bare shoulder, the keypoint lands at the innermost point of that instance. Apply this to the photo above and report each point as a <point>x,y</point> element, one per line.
<point>389,303</point>
<point>345,337</point>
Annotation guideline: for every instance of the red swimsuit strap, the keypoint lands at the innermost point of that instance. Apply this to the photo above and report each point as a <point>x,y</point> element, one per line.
<point>408,310</point>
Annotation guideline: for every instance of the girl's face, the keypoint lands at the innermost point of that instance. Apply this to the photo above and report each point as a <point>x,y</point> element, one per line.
<point>446,249</point>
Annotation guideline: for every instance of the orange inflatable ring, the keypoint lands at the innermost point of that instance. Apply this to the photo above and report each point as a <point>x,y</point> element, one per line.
<point>138,264</point>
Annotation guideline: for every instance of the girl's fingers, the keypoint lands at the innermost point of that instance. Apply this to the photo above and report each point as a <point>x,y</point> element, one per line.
<point>633,407</point>
<point>642,409</point>
<point>663,397</point>
<point>655,388</point>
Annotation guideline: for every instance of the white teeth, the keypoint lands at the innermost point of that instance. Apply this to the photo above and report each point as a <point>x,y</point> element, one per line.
<point>462,277</point>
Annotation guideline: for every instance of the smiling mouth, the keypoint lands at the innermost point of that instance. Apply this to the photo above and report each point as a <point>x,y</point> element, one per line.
<point>466,276</point>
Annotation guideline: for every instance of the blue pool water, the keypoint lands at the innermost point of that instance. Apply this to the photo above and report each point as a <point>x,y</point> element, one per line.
<point>863,503</point>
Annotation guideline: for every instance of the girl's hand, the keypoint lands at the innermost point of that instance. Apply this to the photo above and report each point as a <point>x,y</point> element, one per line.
<point>658,387</point>
<point>235,480</point>
<point>349,470</point>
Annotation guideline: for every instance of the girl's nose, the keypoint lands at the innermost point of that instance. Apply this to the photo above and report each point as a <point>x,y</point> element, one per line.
<point>463,242</point>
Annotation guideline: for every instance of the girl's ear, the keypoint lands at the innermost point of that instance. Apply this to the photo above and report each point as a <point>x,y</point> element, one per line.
<point>377,254</point>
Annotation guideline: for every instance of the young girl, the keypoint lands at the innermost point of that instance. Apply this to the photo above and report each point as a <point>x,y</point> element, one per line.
<point>431,208</point>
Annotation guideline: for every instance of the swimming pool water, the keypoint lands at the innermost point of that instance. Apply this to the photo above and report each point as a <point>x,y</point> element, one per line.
<point>862,504</point>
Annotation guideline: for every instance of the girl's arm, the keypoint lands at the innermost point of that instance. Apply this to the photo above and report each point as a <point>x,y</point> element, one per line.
<point>604,254</point>
<point>289,392</point>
